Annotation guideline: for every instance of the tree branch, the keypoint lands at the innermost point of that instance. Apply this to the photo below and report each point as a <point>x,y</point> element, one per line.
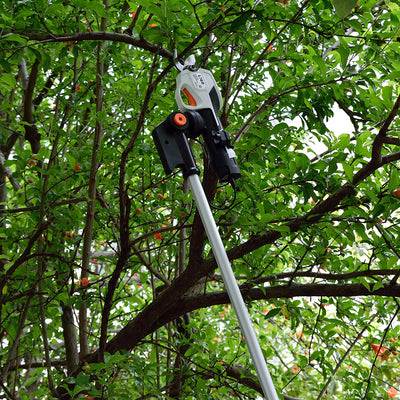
<point>189,304</point>
<point>390,118</point>
<point>22,258</point>
<point>31,133</point>
<point>129,30</point>
<point>340,362</point>
<point>141,43</point>
<point>376,154</point>
<point>99,130</point>
<point>8,172</point>
<point>70,340</point>
<point>327,276</point>
<point>250,70</point>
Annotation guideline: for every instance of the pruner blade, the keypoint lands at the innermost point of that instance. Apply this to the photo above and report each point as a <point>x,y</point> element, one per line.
<point>190,62</point>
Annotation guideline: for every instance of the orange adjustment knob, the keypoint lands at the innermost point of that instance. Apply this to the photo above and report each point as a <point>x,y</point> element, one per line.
<point>179,119</point>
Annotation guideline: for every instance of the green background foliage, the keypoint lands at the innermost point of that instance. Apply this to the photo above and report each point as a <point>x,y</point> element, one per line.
<point>109,289</point>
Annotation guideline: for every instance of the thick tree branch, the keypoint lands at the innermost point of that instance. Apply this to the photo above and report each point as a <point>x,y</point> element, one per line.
<point>312,217</point>
<point>391,140</point>
<point>70,340</point>
<point>136,330</point>
<point>283,291</point>
<point>391,158</point>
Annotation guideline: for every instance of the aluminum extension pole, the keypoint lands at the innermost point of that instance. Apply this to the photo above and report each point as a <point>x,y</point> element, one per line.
<point>232,288</point>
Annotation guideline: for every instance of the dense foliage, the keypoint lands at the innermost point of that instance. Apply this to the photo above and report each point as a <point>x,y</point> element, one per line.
<point>109,289</point>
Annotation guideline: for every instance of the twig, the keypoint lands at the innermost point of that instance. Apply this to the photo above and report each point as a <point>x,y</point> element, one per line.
<point>12,351</point>
<point>7,170</point>
<point>129,30</point>
<point>325,276</point>
<point>23,257</point>
<point>267,46</point>
<point>377,353</point>
<point>52,205</point>
<point>338,365</point>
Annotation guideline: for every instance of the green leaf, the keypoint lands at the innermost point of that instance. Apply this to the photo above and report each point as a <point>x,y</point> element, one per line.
<point>343,141</point>
<point>31,380</point>
<point>377,285</point>
<point>7,80</point>
<point>344,7</point>
<point>321,64</point>
<point>240,21</point>
<point>365,283</point>
<point>344,52</point>
<point>272,313</point>
<point>348,171</point>
<point>13,37</point>
<point>394,9</point>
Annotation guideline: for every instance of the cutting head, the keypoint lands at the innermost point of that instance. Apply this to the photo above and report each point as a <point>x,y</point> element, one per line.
<point>189,63</point>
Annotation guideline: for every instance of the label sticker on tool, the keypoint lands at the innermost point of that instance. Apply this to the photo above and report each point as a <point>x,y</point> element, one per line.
<point>199,80</point>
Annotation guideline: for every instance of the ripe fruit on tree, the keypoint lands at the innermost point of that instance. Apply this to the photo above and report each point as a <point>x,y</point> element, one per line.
<point>377,348</point>
<point>295,369</point>
<point>158,236</point>
<point>397,192</point>
<point>85,281</point>
<point>77,167</point>
<point>32,162</point>
<point>392,392</point>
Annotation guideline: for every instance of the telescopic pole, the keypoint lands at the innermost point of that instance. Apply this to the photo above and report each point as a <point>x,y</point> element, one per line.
<point>232,287</point>
<point>171,140</point>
